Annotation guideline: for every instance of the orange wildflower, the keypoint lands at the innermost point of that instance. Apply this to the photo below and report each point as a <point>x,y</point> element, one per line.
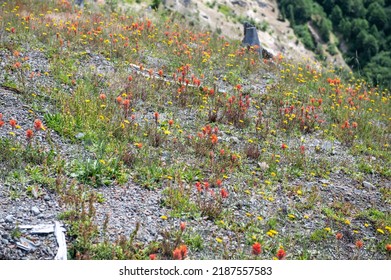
<point>214,139</point>
<point>183,250</point>
<point>102,96</point>
<point>170,122</point>
<point>339,236</point>
<point>359,244</point>
<point>38,124</point>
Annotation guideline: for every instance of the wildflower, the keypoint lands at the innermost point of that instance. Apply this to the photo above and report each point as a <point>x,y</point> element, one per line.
<point>354,124</point>
<point>17,64</point>
<point>126,103</point>
<point>224,193</point>
<point>379,230</point>
<point>130,78</point>
<point>29,134</point>
<point>119,100</point>
<point>199,186</point>
<point>182,226</point>
<point>345,125</point>
<point>1,123</point>
<point>176,254</point>
<point>160,72</point>
<point>238,87</point>
<point>102,96</point>
<point>152,256</point>
<point>170,122</point>
<point>219,182</point>
<point>284,146</point>
<point>339,236</point>
<point>12,123</point>
<point>214,138</point>
<point>139,145</point>
<point>156,116</point>
<point>183,250</point>
<point>257,248</point>
<point>206,185</point>
<point>359,244</point>
<point>281,254</point>
<point>388,247</point>
<point>302,150</point>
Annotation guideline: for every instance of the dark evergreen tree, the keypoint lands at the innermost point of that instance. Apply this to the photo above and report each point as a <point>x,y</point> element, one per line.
<point>336,15</point>
<point>377,15</point>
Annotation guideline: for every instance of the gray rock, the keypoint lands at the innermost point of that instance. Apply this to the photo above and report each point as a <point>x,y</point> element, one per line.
<point>234,139</point>
<point>241,3</point>
<point>35,210</point>
<point>368,185</point>
<point>80,135</point>
<point>327,146</point>
<point>9,219</point>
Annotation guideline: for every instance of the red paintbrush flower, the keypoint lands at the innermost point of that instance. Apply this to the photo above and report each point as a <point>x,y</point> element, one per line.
<point>12,123</point>
<point>102,96</point>
<point>29,134</point>
<point>339,236</point>
<point>257,248</point>
<point>359,244</point>
<point>281,254</point>
<point>224,193</point>
<point>182,226</point>
<point>183,250</point>
<point>176,254</point>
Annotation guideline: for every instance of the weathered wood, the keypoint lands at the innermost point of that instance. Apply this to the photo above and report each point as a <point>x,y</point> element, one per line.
<point>62,247</point>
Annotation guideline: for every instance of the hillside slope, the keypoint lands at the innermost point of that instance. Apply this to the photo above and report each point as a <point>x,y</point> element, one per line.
<point>150,137</point>
<point>227,16</point>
